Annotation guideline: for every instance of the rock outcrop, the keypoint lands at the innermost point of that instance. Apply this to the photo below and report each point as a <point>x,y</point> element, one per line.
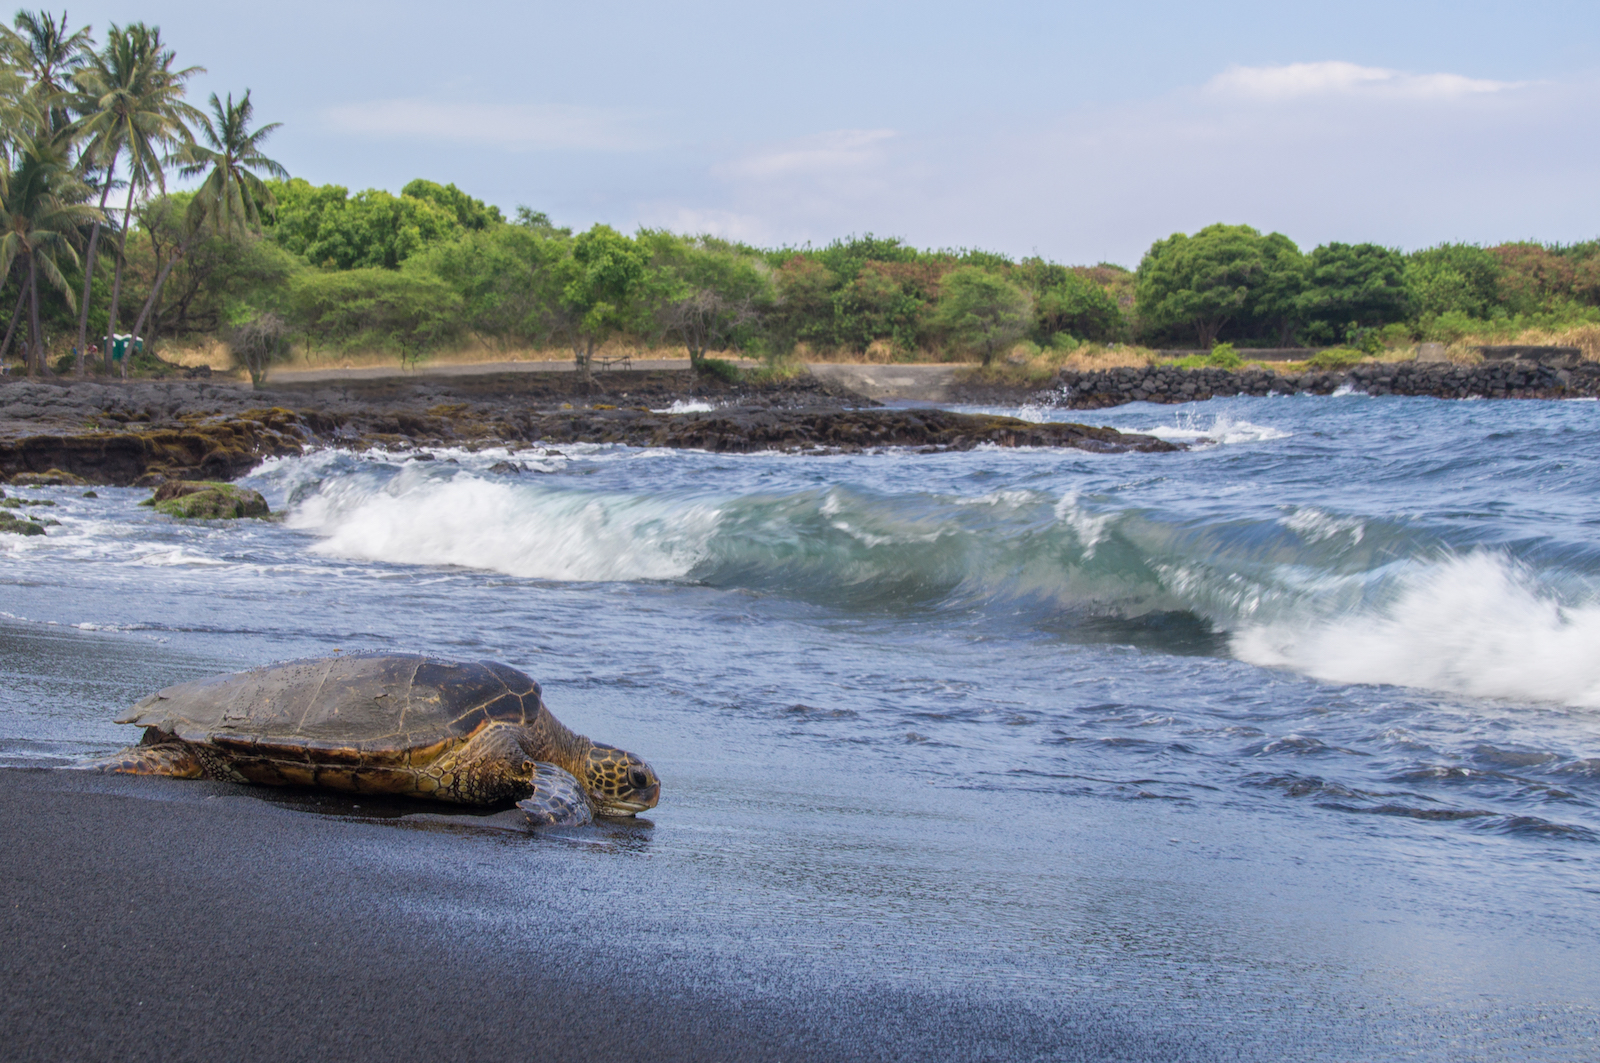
<point>1517,379</point>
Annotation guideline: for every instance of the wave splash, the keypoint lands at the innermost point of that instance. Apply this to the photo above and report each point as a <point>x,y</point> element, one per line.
<point>541,534</point>
<point>1478,624</point>
<point>1335,597</point>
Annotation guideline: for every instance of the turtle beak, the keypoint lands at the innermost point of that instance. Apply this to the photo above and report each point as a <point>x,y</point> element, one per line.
<point>638,801</point>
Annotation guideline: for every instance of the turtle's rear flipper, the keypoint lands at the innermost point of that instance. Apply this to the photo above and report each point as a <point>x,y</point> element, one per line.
<point>176,759</point>
<point>557,799</point>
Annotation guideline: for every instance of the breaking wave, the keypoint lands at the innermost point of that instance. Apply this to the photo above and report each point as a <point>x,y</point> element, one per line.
<point>1479,624</point>
<point>1333,596</point>
<point>509,528</point>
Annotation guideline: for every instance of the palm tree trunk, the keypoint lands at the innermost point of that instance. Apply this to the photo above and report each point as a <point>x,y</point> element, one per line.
<point>88,275</point>
<point>16,316</point>
<point>35,337</point>
<point>116,282</point>
<point>161,278</point>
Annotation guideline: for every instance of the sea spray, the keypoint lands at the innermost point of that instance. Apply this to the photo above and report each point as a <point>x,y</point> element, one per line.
<point>1480,625</point>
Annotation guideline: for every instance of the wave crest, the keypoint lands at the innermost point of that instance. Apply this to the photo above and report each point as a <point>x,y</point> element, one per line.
<point>1338,598</point>
<point>1478,624</point>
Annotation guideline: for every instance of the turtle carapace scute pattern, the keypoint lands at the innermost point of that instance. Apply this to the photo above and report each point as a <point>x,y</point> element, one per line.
<point>470,732</point>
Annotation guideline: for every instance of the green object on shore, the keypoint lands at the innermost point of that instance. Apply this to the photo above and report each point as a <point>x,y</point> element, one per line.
<point>17,526</point>
<point>119,347</point>
<point>207,500</point>
<point>1224,356</point>
<point>1335,358</point>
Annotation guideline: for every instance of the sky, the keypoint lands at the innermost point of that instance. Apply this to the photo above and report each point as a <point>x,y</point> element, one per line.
<point>1079,132</point>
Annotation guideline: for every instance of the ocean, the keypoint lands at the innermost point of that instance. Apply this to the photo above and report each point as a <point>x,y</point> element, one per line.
<point>1283,747</point>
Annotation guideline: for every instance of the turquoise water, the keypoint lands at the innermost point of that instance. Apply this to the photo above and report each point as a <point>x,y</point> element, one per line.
<point>1286,740</point>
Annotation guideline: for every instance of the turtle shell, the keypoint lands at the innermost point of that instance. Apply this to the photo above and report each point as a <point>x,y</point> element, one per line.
<point>371,709</point>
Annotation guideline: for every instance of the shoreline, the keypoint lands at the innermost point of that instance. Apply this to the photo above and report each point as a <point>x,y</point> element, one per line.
<point>143,433</point>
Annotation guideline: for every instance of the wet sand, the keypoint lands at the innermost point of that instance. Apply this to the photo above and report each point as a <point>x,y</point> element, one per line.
<point>164,920</point>
<point>790,899</point>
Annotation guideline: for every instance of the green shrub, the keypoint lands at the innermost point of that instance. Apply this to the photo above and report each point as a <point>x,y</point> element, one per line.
<point>720,368</point>
<point>1065,341</point>
<point>1451,327</point>
<point>1397,334</point>
<point>1223,356</point>
<point>1335,358</point>
<point>377,309</point>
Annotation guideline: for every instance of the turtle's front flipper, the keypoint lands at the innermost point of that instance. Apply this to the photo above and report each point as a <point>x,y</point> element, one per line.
<point>176,759</point>
<point>557,800</point>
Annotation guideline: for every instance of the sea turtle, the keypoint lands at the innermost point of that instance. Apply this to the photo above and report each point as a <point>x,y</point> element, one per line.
<point>472,732</point>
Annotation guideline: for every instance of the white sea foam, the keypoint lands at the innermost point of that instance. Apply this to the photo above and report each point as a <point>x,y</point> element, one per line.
<point>692,406</point>
<point>179,558</point>
<point>517,529</point>
<point>1222,430</point>
<point>1478,625</point>
<point>1315,526</point>
<point>1089,527</point>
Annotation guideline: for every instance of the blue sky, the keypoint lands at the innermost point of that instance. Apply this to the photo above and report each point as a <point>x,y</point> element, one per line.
<point>1081,132</point>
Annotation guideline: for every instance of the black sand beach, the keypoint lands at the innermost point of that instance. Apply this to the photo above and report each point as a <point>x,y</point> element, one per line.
<point>151,919</point>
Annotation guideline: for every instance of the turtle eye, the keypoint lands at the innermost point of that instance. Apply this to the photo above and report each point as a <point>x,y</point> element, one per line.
<point>638,779</point>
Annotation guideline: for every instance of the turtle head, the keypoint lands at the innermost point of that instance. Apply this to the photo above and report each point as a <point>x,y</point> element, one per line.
<point>620,783</point>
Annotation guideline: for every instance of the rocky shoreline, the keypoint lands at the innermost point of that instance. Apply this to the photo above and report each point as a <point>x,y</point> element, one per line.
<point>1509,379</point>
<point>147,433</point>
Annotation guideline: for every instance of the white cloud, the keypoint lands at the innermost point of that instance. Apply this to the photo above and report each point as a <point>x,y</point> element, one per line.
<point>514,126</point>
<point>1300,80</point>
<point>823,153</point>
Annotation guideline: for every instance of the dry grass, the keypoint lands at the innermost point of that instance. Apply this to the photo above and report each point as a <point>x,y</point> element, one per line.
<point>475,354</point>
<point>1028,365</point>
<point>205,351</point>
<point>1096,356</point>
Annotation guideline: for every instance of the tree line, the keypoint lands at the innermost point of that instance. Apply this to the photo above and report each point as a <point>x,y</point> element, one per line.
<point>1230,282</point>
<point>80,120</point>
<point>91,235</point>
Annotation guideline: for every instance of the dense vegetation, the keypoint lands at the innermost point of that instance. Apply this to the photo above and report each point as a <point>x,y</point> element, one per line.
<point>91,236</point>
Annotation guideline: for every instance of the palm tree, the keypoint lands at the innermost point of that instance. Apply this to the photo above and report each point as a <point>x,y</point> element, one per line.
<point>18,115</point>
<point>229,200</point>
<point>131,103</point>
<point>42,214</point>
<point>48,55</point>
<point>46,52</point>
